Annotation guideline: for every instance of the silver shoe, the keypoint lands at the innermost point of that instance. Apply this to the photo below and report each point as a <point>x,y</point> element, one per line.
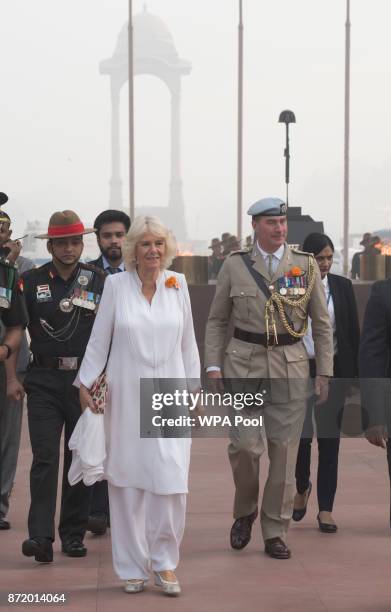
<point>169,588</point>
<point>134,586</point>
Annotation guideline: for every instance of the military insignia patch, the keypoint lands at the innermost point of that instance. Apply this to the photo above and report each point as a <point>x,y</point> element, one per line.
<point>43,293</point>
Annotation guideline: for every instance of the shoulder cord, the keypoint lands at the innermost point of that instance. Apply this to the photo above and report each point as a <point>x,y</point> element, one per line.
<point>56,335</point>
<point>278,301</point>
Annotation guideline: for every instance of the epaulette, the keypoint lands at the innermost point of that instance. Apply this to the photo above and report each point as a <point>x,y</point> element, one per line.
<point>238,252</point>
<point>95,269</point>
<point>298,252</point>
<point>30,272</point>
<point>5,262</point>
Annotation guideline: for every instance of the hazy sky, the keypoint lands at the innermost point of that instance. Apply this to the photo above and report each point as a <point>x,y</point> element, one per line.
<point>55,109</point>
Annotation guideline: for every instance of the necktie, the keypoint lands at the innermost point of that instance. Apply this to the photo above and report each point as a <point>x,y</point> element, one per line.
<point>113,270</point>
<point>270,264</point>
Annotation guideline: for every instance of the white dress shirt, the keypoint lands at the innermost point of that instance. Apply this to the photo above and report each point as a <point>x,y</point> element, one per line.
<point>276,256</point>
<point>106,264</point>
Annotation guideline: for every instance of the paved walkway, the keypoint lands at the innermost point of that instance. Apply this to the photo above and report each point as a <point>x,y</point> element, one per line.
<point>349,571</point>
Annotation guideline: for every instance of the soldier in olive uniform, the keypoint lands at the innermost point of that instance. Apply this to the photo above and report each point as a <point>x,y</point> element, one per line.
<point>62,298</point>
<point>268,294</point>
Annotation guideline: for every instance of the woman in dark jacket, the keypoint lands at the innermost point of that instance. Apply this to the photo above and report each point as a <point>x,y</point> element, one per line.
<point>342,308</point>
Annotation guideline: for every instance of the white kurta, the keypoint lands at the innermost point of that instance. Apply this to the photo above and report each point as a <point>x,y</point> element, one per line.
<point>148,341</point>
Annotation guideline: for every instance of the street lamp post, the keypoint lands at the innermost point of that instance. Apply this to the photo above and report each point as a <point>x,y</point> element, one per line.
<point>347,145</point>
<point>240,123</point>
<point>287,117</point>
<point>131,112</point>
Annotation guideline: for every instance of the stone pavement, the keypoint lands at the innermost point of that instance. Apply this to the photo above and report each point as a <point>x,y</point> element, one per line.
<point>349,571</point>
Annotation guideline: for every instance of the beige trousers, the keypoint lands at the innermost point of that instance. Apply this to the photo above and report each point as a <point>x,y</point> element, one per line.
<point>281,431</point>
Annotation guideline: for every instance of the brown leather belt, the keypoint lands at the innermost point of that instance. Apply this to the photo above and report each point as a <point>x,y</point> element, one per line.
<point>57,363</point>
<point>246,336</point>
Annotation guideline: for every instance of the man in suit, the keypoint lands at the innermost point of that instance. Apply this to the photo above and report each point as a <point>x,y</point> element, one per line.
<point>374,367</point>
<point>268,295</point>
<point>111,228</point>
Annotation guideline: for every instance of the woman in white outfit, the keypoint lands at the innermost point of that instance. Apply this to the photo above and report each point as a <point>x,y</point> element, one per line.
<point>145,314</point>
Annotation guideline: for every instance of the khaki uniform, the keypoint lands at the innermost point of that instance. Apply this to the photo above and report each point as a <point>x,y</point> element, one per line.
<point>239,299</point>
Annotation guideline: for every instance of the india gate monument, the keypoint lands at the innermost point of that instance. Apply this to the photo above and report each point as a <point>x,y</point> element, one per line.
<point>154,54</point>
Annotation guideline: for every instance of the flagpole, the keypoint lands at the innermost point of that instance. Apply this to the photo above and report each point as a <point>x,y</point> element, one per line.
<point>240,123</point>
<point>347,144</point>
<point>131,112</point>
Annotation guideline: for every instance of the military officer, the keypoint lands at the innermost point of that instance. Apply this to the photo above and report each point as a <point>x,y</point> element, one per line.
<point>62,298</point>
<point>268,294</point>
<point>13,319</point>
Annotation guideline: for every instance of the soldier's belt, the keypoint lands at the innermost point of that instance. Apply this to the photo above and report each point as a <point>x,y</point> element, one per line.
<point>57,363</point>
<point>246,336</point>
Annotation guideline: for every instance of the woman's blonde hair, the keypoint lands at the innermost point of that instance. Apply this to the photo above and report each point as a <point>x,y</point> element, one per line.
<point>148,225</point>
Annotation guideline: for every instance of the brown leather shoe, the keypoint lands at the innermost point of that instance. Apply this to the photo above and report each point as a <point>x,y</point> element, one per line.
<point>241,530</point>
<point>276,548</point>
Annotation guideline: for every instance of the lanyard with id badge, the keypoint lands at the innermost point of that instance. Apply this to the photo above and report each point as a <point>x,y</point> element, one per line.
<point>7,283</point>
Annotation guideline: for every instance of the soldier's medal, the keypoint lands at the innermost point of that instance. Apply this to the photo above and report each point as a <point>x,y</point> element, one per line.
<point>5,297</point>
<point>271,288</point>
<point>76,301</point>
<point>295,291</point>
<point>283,291</point>
<point>301,291</point>
<point>82,280</point>
<point>66,305</point>
<point>90,302</point>
<point>84,299</point>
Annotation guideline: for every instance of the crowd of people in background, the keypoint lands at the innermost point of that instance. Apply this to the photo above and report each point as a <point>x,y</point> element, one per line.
<point>372,246</point>
<point>221,248</point>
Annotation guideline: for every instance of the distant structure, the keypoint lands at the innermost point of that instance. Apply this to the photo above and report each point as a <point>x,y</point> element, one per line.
<point>299,225</point>
<point>155,54</point>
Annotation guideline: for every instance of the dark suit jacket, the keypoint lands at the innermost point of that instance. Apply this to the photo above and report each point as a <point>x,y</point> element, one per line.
<point>347,326</point>
<point>375,347</point>
<point>97,262</point>
<point>375,353</point>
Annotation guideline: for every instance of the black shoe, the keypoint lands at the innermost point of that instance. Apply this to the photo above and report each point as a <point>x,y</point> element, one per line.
<point>241,530</point>
<point>326,527</point>
<point>40,548</point>
<point>74,548</point>
<point>97,523</point>
<point>4,524</point>
<point>297,515</point>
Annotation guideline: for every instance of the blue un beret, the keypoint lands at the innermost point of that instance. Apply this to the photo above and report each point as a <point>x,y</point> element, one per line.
<point>268,207</point>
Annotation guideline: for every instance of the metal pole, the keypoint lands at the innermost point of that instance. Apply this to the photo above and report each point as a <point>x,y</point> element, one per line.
<point>347,145</point>
<point>287,159</point>
<point>240,123</point>
<point>131,112</point>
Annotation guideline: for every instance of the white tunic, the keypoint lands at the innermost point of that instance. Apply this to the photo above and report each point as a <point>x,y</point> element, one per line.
<point>148,341</point>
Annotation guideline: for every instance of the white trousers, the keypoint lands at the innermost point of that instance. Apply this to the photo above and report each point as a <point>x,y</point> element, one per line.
<point>146,531</point>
